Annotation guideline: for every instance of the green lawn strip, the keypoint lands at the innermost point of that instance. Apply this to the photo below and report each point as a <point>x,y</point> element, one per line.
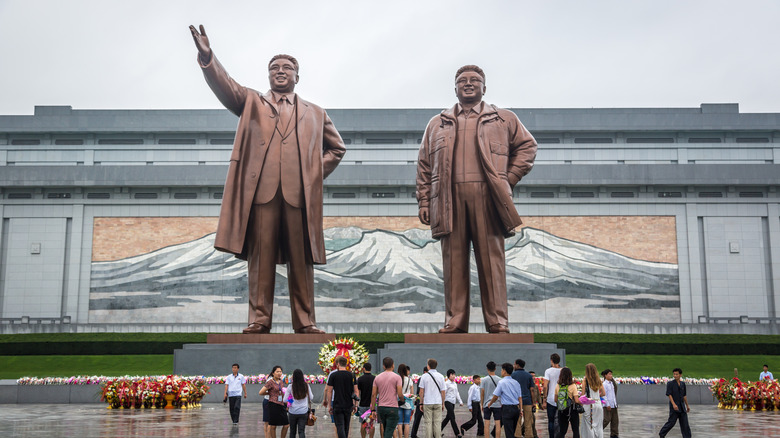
<point>14,367</point>
<point>703,367</point>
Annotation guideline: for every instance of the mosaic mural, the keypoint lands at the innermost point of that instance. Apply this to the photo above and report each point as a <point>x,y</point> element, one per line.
<point>391,273</point>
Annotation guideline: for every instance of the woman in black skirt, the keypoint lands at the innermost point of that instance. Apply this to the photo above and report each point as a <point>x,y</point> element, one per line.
<point>277,414</point>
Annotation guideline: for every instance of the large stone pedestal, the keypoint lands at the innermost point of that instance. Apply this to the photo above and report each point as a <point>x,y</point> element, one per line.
<point>466,353</point>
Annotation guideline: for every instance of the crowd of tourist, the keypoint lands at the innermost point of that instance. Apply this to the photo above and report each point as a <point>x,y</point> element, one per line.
<point>392,403</point>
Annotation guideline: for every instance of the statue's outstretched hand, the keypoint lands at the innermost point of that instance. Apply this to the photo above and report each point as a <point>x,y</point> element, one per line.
<point>202,43</point>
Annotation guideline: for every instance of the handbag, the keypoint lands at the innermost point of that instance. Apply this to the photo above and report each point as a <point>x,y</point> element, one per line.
<point>311,419</point>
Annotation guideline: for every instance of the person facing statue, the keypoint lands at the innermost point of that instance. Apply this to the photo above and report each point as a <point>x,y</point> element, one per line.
<point>471,157</point>
<point>272,203</point>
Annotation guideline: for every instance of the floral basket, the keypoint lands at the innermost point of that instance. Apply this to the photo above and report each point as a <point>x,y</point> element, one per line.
<point>355,353</point>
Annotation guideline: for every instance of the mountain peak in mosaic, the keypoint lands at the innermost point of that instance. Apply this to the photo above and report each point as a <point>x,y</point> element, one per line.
<point>371,268</point>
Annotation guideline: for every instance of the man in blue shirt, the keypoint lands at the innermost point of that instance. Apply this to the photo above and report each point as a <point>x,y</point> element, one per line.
<point>511,395</point>
<point>526,382</point>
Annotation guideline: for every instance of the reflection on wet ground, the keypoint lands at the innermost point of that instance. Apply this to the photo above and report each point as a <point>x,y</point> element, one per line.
<point>213,420</point>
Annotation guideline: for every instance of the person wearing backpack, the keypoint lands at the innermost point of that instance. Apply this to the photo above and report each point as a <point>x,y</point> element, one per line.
<point>566,397</point>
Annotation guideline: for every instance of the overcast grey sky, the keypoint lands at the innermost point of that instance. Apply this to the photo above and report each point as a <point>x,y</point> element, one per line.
<point>135,54</point>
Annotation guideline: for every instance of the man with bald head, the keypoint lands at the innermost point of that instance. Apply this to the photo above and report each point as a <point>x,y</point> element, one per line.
<point>471,157</point>
<point>272,203</point>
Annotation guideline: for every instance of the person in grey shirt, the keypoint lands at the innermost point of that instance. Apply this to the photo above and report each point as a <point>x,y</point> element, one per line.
<point>486,389</point>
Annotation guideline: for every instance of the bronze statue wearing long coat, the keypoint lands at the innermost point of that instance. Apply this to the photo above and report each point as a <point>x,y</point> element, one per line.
<point>272,203</point>
<point>319,144</point>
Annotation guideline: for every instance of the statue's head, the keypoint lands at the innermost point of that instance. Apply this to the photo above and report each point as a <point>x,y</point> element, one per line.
<point>283,73</point>
<point>470,84</point>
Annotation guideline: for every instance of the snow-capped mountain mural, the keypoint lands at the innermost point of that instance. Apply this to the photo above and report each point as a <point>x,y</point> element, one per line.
<point>392,277</point>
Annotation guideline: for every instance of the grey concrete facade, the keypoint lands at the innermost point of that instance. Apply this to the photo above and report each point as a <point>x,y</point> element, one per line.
<point>715,170</point>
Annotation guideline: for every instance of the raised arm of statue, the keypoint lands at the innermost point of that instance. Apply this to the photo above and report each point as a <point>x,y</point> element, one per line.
<point>202,43</point>
<point>229,92</point>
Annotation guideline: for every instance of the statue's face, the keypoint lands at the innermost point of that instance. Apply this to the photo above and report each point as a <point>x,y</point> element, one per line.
<point>282,76</point>
<point>469,87</point>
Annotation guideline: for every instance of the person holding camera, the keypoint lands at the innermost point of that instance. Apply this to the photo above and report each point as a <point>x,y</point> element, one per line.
<point>235,385</point>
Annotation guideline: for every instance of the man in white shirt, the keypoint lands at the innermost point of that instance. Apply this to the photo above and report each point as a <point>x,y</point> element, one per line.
<point>451,396</point>
<point>548,388</point>
<point>611,411</point>
<point>235,385</point>
<point>432,396</point>
<point>766,374</point>
<point>475,407</point>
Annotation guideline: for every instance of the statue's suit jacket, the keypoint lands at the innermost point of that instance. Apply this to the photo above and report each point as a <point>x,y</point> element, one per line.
<point>319,144</point>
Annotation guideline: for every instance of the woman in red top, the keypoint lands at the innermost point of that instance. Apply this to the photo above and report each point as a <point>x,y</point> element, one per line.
<point>274,387</point>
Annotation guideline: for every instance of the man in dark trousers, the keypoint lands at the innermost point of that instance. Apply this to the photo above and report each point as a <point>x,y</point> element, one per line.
<point>272,203</point>
<point>365,383</point>
<point>677,394</point>
<point>418,412</point>
<point>341,385</point>
<point>235,386</point>
<point>471,157</point>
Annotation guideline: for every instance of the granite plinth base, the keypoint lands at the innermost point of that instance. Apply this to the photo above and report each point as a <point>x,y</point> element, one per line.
<point>469,338</point>
<point>269,338</point>
<point>216,359</point>
<point>469,358</point>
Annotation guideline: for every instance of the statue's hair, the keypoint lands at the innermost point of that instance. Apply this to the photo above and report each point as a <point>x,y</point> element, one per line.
<point>473,68</point>
<point>291,59</point>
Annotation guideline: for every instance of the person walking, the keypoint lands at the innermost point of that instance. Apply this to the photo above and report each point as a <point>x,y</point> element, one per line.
<point>418,408</point>
<point>475,407</point>
<point>235,386</point>
<point>567,396</point>
<point>511,399</point>
<point>405,410</point>
<point>277,415</point>
<point>611,409</point>
<point>488,385</point>
<point>432,395</point>
<point>526,382</point>
<point>549,381</point>
<point>593,417</point>
<point>365,384</point>
<point>677,394</point>
<point>385,395</point>
<point>341,385</point>
<point>451,396</point>
<point>536,401</point>
<point>299,397</point>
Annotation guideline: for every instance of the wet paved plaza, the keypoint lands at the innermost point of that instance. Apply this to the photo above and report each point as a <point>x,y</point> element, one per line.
<point>213,420</point>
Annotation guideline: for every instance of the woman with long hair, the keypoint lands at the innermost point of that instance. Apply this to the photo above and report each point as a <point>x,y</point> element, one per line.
<point>299,401</point>
<point>277,416</point>
<point>405,410</point>
<point>593,417</point>
<point>566,396</point>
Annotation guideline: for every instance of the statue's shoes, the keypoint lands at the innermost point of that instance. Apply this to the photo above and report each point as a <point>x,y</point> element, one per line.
<point>256,328</point>
<point>498,328</point>
<point>447,329</point>
<point>311,329</point>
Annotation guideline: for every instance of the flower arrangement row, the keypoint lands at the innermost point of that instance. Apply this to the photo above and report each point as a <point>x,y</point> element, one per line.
<point>736,394</point>
<point>315,379</point>
<point>154,392</point>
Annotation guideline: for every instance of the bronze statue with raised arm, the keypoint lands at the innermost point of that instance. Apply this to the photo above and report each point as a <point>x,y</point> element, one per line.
<point>272,203</point>
<point>471,157</point>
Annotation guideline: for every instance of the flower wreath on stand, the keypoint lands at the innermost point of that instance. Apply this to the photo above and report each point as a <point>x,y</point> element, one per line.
<point>355,353</point>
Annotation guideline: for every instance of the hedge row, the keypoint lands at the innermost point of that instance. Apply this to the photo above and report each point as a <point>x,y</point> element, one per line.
<point>579,343</point>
